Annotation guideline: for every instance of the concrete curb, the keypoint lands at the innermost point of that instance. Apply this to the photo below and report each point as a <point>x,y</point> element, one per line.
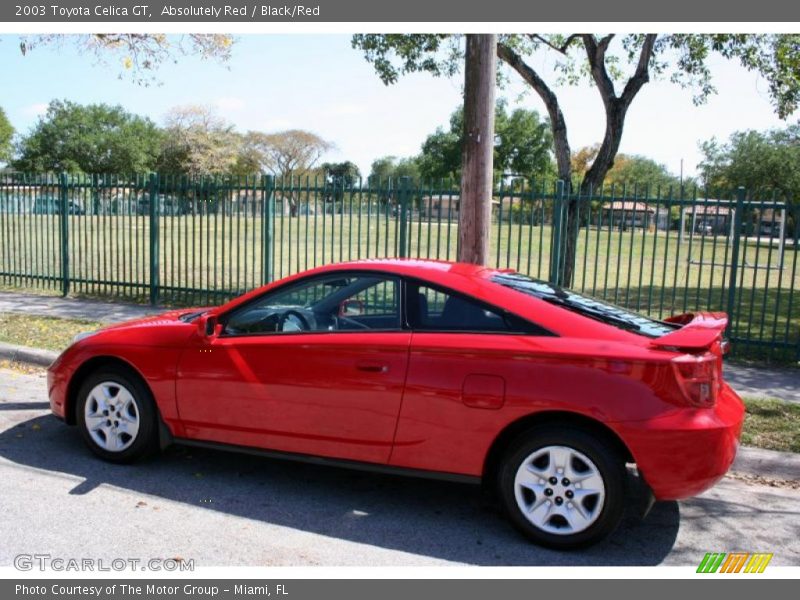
<point>767,463</point>
<point>24,354</point>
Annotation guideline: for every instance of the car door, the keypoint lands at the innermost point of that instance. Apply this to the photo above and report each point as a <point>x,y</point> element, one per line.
<point>316,367</point>
<point>470,364</point>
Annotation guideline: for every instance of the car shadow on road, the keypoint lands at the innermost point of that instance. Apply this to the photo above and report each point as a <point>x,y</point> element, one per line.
<point>446,521</point>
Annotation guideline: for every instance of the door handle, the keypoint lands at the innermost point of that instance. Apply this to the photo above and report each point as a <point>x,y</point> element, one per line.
<point>372,367</point>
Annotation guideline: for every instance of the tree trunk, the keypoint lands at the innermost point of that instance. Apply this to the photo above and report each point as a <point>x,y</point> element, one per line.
<point>558,125</point>
<point>475,208</point>
<point>564,170</point>
<point>602,164</point>
<point>294,205</point>
<point>592,181</point>
<point>615,121</point>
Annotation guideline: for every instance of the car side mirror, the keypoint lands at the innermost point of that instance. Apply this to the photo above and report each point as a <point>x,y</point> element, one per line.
<point>208,326</point>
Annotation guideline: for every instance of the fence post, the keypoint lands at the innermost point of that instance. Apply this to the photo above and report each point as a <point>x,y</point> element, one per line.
<point>737,233</point>
<point>555,252</point>
<point>63,209</point>
<point>402,239</point>
<point>154,239</point>
<point>267,211</point>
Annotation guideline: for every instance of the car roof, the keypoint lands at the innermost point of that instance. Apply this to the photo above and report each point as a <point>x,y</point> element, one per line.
<point>415,266</point>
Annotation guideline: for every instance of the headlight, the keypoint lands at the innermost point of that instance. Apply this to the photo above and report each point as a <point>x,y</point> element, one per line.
<point>82,335</point>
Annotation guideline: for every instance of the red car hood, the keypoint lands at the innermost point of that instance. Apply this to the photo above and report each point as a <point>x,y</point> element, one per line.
<point>166,318</point>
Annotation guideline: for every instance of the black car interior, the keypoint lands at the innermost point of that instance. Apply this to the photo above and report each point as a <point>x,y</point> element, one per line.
<point>369,302</point>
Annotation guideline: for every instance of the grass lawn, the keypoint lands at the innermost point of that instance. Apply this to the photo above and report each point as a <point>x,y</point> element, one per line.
<point>772,424</point>
<point>206,259</point>
<point>49,333</point>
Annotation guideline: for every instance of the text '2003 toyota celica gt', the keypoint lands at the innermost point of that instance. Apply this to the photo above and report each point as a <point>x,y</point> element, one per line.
<point>428,368</point>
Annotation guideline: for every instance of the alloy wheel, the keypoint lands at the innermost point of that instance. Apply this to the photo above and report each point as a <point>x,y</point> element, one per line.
<point>112,416</point>
<point>559,490</point>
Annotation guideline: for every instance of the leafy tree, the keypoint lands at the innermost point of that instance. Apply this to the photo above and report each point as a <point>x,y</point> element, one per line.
<point>340,177</point>
<point>382,168</point>
<point>636,171</point>
<point>343,175</point>
<point>198,142</point>
<point>523,145</point>
<point>766,163</point>
<point>631,170</point>
<point>407,167</point>
<point>287,152</point>
<point>603,60</point>
<point>139,54</point>
<point>441,153</point>
<point>391,167</point>
<point>248,161</point>
<point>759,161</point>
<point>94,138</point>
<point>6,137</point>
<point>294,152</point>
<point>762,162</point>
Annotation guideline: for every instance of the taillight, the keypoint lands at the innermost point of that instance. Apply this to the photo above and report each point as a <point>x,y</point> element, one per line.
<point>698,377</point>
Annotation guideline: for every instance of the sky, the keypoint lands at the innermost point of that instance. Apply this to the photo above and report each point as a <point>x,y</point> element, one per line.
<point>320,83</point>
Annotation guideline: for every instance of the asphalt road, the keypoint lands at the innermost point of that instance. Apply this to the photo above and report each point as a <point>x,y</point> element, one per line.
<point>226,509</point>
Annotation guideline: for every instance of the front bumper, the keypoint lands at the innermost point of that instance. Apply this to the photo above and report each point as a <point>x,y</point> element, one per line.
<point>57,382</point>
<point>686,452</point>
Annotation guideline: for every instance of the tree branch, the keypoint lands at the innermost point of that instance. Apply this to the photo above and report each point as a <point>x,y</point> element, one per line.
<point>642,73</point>
<point>603,44</point>
<point>531,77</point>
<point>557,121</point>
<point>562,49</point>
<point>596,55</point>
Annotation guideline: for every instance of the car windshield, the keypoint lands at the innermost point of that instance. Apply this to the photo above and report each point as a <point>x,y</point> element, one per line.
<point>585,305</point>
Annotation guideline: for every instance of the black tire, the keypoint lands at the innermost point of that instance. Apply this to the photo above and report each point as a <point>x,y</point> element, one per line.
<point>145,441</point>
<point>608,464</point>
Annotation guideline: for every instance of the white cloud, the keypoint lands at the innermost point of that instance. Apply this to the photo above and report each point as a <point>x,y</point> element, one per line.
<point>35,110</point>
<point>277,124</point>
<point>345,109</point>
<point>229,103</point>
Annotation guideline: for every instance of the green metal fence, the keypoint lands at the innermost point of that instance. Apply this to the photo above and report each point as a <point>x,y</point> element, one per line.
<point>184,241</point>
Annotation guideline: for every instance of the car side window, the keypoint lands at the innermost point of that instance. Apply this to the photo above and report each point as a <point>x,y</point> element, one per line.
<point>433,309</point>
<point>331,303</point>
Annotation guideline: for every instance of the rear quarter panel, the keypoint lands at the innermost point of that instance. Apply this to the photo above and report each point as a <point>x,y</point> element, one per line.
<point>605,381</point>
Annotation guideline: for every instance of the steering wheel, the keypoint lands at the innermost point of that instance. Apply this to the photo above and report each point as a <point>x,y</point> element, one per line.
<point>298,319</point>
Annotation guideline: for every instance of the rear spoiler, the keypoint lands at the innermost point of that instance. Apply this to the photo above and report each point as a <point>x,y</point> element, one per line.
<point>700,331</point>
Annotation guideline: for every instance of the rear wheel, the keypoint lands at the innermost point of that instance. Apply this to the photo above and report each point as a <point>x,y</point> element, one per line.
<point>117,416</point>
<point>562,487</point>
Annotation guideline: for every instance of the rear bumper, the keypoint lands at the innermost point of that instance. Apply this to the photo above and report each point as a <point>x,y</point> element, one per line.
<point>686,452</point>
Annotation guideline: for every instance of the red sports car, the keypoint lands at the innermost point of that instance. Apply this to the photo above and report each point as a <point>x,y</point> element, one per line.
<point>428,368</point>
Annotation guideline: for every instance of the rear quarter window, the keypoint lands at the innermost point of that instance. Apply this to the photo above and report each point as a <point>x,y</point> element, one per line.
<point>610,314</point>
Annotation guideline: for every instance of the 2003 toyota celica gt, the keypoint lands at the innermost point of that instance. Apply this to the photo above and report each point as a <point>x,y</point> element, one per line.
<point>428,368</point>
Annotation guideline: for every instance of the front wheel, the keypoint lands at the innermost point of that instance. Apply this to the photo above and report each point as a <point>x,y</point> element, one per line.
<point>117,416</point>
<point>562,487</point>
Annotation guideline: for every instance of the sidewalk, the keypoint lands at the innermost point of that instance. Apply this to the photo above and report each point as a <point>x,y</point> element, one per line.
<point>770,382</point>
<point>764,382</point>
<point>74,308</point>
